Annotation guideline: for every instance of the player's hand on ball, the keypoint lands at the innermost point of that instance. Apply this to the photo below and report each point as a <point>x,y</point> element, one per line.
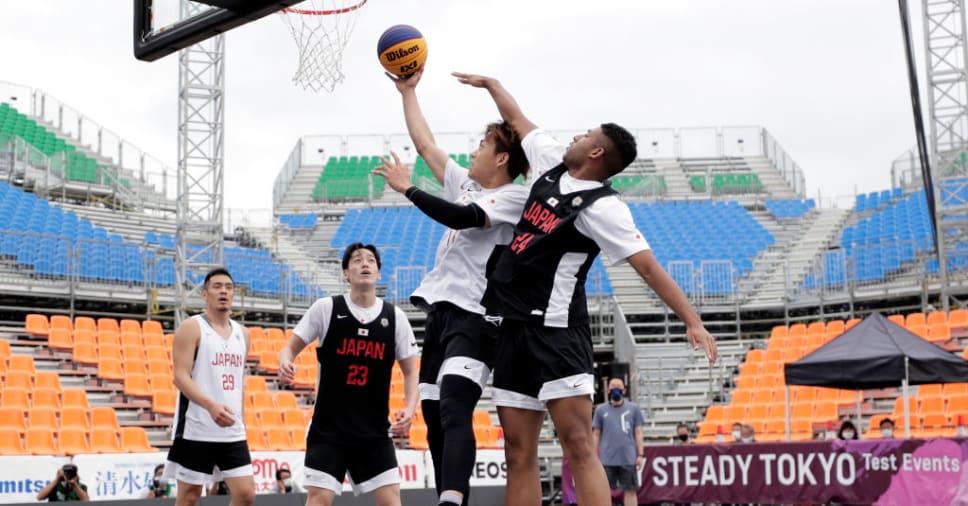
<point>401,426</point>
<point>406,82</point>
<point>395,173</point>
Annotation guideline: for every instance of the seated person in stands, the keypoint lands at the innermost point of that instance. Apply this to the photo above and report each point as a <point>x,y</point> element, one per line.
<point>66,486</point>
<point>887,428</point>
<point>737,432</point>
<point>847,431</point>
<point>747,434</point>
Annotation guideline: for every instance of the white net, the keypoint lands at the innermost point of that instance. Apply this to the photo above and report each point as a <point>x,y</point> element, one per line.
<point>321,29</point>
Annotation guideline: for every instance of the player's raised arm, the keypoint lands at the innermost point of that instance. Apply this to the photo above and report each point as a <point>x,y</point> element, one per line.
<point>506,105</point>
<point>420,134</point>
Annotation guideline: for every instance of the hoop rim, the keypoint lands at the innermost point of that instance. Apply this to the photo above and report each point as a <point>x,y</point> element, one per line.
<point>329,12</point>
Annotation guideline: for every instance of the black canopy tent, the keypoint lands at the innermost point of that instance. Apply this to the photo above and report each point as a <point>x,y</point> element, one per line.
<point>876,353</point>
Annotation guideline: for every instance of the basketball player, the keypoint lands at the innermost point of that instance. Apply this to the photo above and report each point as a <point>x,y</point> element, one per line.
<point>544,357</point>
<point>209,353</point>
<point>480,206</point>
<point>359,338</point>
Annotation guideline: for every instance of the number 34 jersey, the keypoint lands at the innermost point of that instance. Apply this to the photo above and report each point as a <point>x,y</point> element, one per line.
<point>356,351</point>
<point>219,371</point>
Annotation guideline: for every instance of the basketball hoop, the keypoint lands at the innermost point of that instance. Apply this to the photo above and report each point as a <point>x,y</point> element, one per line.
<point>321,31</point>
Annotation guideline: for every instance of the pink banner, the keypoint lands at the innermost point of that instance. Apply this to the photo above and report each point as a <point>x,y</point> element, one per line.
<point>891,472</point>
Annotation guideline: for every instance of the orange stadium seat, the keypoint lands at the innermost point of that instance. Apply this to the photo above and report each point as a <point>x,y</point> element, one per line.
<point>45,398</point>
<point>135,440</point>
<point>294,419</point>
<point>936,318</point>
<point>275,335</point>
<point>40,441</point>
<point>110,324</point>
<point>105,439</point>
<point>130,326</point>
<point>4,350</point>
<point>136,385</point>
<point>37,325</point>
<point>817,328</point>
<point>152,327</point>
<point>74,417</point>
<point>60,339</point>
<point>250,418</point>
<point>797,329</point>
<point>85,354</point>
<point>109,350</point>
<point>108,337</point>
<point>802,411</point>
<point>824,412</point>
<point>74,398</point>
<point>915,319</point>
<point>762,396</point>
<point>59,321</point>
<point>269,418</point>
<point>742,396</point>
<point>15,398</point>
<point>277,438</point>
<point>257,334</point>
<point>939,333</point>
<point>160,366</point>
<point>11,443</point>
<point>85,336</point>
<point>164,402</point>
<point>135,366</point>
<point>261,400</point>
<point>19,379</point>
<point>897,318</point>
<point>483,419</point>
<point>255,384</point>
<point>85,322</point>
<point>22,363</point>
<point>920,330</point>
<point>306,377</point>
<point>256,439</point>
<point>73,441</point>
<point>42,417</point>
<point>269,361</point>
<point>955,389</point>
<point>835,328</point>
<point>958,318</point>
<point>298,437</point>
<point>257,348</point>
<point>286,400</point>
<point>930,390</point>
<point>12,419</point>
<point>418,437</point>
<point>780,331</point>
<point>758,412</point>
<point>156,341</point>
<point>754,356</point>
<point>930,405</point>
<point>104,417</point>
<point>47,379</point>
<point>132,339</point>
<point>110,369</point>
<point>133,351</point>
<point>487,437</point>
<point>164,382</point>
<point>157,353</point>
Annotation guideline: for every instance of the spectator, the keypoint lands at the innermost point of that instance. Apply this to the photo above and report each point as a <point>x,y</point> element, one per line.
<point>887,428</point>
<point>747,434</point>
<point>66,486</point>
<point>285,484</point>
<point>737,432</point>
<point>683,435</point>
<point>160,487</point>
<point>847,431</point>
<point>617,430</point>
<point>219,488</point>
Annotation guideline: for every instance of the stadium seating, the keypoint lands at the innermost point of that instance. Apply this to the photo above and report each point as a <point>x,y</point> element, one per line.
<point>299,221</point>
<point>789,208</point>
<point>348,178</point>
<point>727,183</point>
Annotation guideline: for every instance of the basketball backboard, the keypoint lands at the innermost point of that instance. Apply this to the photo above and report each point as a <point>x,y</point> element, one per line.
<point>162,27</point>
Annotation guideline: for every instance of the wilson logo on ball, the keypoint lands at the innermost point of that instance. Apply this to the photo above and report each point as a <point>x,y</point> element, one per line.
<point>402,50</point>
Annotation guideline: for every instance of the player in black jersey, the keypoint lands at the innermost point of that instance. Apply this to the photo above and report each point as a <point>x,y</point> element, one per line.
<point>536,286</point>
<point>359,337</point>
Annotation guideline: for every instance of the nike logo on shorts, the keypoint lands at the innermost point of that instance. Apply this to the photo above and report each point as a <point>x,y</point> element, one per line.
<point>341,316</point>
<point>469,367</point>
<point>578,385</point>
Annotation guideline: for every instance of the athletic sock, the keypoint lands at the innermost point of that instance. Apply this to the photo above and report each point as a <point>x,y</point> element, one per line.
<point>450,498</point>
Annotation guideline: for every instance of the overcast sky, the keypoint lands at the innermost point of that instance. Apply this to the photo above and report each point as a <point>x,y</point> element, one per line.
<point>825,77</point>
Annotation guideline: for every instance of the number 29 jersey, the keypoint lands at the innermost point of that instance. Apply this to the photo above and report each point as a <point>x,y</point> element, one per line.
<point>356,352</point>
<point>219,371</point>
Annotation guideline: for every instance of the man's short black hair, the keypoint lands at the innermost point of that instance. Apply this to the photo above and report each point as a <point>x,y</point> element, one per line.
<point>358,245</point>
<point>159,466</point>
<point>886,421</point>
<point>682,426</point>
<point>624,144</point>
<point>215,272</point>
<point>279,473</point>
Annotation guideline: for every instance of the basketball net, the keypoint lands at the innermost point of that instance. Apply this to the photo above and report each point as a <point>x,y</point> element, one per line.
<point>321,29</point>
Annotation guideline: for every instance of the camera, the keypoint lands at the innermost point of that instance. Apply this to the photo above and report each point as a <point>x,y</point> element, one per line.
<point>159,488</point>
<point>70,472</point>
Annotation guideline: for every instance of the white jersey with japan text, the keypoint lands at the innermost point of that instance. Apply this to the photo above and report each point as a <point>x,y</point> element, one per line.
<point>458,273</point>
<point>219,371</point>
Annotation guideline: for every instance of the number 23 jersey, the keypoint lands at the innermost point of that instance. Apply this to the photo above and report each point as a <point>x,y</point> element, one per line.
<point>356,350</point>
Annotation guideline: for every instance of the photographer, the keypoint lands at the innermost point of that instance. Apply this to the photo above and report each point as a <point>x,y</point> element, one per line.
<point>160,487</point>
<point>66,486</point>
<point>285,484</point>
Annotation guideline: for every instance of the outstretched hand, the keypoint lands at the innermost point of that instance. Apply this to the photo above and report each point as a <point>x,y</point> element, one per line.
<point>396,174</point>
<point>405,83</point>
<point>700,337</point>
<point>473,79</point>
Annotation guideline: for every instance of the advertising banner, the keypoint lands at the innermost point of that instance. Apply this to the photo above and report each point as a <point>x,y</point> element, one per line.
<point>21,478</point>
<point>490,468</point>
<point>118,475</point>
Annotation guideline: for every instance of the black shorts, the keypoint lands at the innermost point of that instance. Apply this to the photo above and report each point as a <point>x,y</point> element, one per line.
<point>536,364</point>
<point>371,464</point>
<point>458,342</point>
<point>622,477</point>
<point>196,462</point>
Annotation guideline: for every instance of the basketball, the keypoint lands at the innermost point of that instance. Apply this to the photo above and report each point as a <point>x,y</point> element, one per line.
<point>402,50</point>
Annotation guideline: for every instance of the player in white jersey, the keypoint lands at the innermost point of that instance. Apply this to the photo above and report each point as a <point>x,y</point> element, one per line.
<point>209,353</point>
<point>480,206</point>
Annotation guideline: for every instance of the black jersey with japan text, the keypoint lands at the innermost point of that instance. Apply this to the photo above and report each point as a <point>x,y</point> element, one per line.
<point>355,368</point>
<point>540,276</point>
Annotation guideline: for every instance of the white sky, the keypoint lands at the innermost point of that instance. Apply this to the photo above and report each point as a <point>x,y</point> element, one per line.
<point>825,77</point>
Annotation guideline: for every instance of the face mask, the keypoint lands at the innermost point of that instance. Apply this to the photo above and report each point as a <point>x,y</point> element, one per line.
<point>287,482</point>
<point>746,439</point>
<point>615,394</point>
<point>737,435</point>
<point>683,437</point>
<point>848,434</point>
<point>887,432</point>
